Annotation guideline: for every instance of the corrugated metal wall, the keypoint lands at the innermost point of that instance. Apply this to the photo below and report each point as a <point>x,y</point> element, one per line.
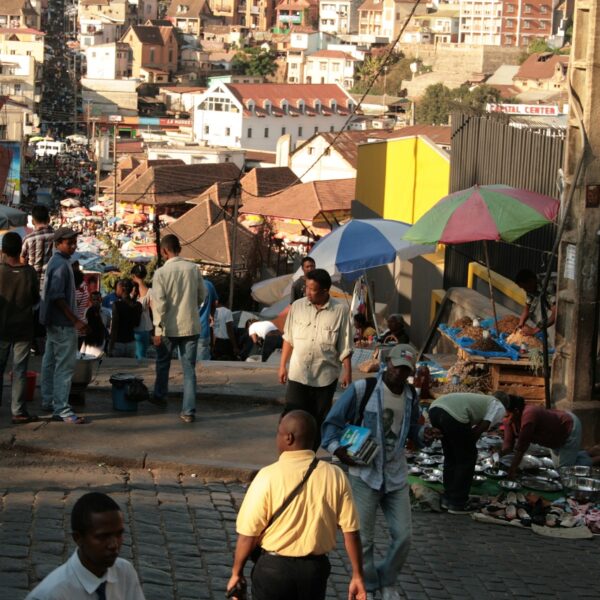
<point>486,150</point>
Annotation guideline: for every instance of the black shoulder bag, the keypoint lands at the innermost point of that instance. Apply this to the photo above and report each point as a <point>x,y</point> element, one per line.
<point>257,551</point>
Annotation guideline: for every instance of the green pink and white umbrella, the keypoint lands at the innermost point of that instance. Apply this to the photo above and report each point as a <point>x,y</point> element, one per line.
<point>481,213</point>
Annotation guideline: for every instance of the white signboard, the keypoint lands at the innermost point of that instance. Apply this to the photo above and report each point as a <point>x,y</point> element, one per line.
<point>570,259</point>
<point>537,110</point>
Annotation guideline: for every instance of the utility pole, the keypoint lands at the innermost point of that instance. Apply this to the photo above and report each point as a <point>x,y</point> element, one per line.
<point>115,177</point>
<point>573,370</point>
<point>236,206</point>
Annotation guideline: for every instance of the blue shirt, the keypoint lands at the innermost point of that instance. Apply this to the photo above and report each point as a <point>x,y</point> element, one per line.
<point>388,470</point>
<point>206,307</point>
<point>59,283</point>
<point>109,300</point>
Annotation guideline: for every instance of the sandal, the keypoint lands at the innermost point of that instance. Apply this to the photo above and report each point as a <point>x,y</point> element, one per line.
<point>71,419</point>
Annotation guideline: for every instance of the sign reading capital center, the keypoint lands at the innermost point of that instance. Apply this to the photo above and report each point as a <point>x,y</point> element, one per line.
<point>540,110</point>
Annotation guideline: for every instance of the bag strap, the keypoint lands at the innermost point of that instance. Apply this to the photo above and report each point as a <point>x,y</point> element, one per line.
<point>370,383</point>
<point>292,495</point>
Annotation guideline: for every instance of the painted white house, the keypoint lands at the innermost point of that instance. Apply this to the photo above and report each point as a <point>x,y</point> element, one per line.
<point>108,61</point>
<point>255,116</point>
<point>338,16</point>
<point>302,42</point>
<point>98,29</point>
<point>330,66</point>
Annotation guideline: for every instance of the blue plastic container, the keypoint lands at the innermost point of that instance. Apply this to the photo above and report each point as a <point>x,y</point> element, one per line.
<point>120,383</point>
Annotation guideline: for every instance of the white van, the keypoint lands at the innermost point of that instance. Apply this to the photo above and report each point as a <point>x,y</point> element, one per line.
<point>47,148</point>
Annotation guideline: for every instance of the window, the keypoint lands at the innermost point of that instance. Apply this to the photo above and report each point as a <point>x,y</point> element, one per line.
<point>227,131</point>
<point>266,132</point>
<point>299,131</point>
<point>170,55</point>
<point>543,9</point>
<point>335,67</point>
<point>217,104</point>
<point>527,8</point>
<point>527,24</point>
<point>331,129</point>
<point>17,88</point>
<point>249,132</point>
<point>283,130</point>
<point>206,130</point>
<point>510,8</point>
<point>323,65</point>
<point>311,150</point>
<point>316,129</point>
<point>152,55</point>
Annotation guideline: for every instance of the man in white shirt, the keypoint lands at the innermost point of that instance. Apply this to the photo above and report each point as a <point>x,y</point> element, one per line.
<point>177,293</point>
<point>94,570</point>
<point>265,333</point>
<point>225,345</point>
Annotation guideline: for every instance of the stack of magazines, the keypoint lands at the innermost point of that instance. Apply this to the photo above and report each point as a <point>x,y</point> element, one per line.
<point>359,444</point>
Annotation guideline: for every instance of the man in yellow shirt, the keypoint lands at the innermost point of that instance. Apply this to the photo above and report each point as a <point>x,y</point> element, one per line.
<point>293,564</point>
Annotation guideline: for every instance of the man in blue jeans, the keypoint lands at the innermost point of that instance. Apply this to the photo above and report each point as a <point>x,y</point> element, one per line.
<point>392,414</point>
<point>177,293</point>
<point>58,314</point>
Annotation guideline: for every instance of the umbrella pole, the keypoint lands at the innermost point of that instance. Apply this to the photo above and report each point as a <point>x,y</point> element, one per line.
<point>371,303</point>
<point>487,264</point>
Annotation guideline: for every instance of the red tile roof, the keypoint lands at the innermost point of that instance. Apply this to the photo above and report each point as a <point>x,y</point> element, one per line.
<point>304,201</point>
<point>262,181</point>
<point>205,234</point>
<point>310,93</point>
<point>18,30</point>
<point>331,54</point>
<point>258,156</point>
<point>168,184</point>
<point>541,65</point>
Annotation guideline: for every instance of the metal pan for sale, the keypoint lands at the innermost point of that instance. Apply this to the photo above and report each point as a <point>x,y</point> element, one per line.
<point>541,484</point>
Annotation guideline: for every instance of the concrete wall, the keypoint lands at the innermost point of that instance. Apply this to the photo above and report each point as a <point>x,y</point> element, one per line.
<point>110,96</point>
<point>451,58</point>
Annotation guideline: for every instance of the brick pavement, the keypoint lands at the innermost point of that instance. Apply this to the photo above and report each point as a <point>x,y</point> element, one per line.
<point>181,534</point>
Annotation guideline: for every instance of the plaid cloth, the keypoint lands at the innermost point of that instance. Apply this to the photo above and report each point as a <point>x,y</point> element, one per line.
<point>37,250</point>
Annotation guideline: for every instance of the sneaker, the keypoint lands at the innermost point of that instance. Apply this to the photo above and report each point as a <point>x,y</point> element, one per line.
<point>389,593</point>
<point>187,418</point>
<point>71,419</point>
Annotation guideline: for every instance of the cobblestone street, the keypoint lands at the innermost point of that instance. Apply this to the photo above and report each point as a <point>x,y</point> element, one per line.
<point>181,534</point>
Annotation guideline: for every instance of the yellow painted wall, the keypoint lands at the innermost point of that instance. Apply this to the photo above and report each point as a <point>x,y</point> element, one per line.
<point>401,179</point>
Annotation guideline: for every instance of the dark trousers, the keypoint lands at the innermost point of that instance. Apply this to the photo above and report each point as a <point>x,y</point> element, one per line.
<point>283,578</point>
<point>460,455</point>
<point>314,400</point>
<point>273,341</point>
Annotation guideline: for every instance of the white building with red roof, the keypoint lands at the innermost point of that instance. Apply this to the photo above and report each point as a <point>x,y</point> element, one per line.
<point>330,66</point>
<point>255,116</point>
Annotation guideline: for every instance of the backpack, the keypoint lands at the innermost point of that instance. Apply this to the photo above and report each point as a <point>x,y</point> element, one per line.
<point>370,383</point>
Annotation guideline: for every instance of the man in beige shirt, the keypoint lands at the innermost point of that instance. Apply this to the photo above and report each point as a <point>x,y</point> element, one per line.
<point>177,293</point>
<point>316,342</point>
<point>293,564</point>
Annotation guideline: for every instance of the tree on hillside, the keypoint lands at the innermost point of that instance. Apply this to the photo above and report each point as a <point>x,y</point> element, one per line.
<point>540,45</point>
<point>434,107</point>
<point>438,102</point>
<point>255,61</point>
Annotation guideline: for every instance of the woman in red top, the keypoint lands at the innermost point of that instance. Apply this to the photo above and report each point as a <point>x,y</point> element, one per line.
<point>558,430</point>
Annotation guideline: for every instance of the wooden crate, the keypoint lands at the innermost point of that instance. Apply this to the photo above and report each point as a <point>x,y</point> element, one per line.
<point>519,381</point>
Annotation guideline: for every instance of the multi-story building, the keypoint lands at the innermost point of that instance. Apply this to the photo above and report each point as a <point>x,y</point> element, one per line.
<point>20,14</point>
<point>23,42</point>
<point>338,16</point>
<point>153,50</point>
<point>228,10</point>
<point>17,120</point>
<point>188,15</point>
<point>481,22</point>
<point>302,42</point>
<point>440,27</point>
<point>330,66</point>
<point>255,116</point>
<point>257,15</point>
<point>526,20</point>
<point>383,19</point>
<point>296,12</point>
<point>103,21</point>
<point>108,61</point>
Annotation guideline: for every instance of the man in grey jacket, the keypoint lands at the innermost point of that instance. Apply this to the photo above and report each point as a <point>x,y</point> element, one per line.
<point>177,292</point>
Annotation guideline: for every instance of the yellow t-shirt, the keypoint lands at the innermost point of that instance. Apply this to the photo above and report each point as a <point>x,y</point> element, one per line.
<point>310,522</point>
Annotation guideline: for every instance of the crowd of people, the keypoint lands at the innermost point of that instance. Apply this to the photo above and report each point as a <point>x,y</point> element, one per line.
<point>288,521</point>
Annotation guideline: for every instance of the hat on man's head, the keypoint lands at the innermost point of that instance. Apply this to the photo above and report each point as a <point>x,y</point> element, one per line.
<point>65,233</point>
<point>403,355</point>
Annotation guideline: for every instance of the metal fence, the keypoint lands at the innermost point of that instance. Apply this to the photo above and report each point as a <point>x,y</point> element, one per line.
<point>487,150</point>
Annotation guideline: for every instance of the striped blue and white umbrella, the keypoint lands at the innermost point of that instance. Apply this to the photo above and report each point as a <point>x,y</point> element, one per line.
<point>362,244</point>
